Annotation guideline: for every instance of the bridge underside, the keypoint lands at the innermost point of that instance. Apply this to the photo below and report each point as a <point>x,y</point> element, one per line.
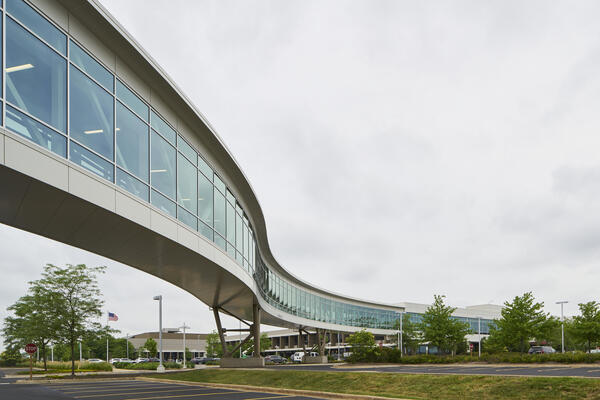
<point>37,207</point>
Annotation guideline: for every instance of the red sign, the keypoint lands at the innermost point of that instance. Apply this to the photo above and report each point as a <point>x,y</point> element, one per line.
<point>30,348</point>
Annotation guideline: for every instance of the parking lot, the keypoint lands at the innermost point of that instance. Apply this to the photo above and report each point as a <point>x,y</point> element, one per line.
<point>145,390</point>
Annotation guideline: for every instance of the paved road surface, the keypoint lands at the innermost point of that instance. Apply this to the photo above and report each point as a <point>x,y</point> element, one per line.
<point>130,390</point>
<point>582,370</point>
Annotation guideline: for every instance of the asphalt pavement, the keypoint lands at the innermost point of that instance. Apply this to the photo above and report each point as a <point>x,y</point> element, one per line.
<point>554,370</point>
<point>130,390</point>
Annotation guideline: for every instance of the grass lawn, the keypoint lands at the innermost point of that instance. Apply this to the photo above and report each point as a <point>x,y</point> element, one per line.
<point>405,386</point>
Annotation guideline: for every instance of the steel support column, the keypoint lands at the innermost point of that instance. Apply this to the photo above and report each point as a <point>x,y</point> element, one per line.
<point>256,327</point>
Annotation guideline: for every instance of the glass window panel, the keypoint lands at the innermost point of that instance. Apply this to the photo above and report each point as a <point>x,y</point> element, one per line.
<point>90,161</point>
<point>238,232</point>
<point>162,170</point>
<point>162,203</point>
<point>206,170</point>
<point>187,218</point>
<point>205,230</point>
<point>220,241</point>
<point>239,258</point>
<point>219,212</point>
<point>187,181</point>
<point>187,150</point>
<point>162,127</point>
<point>132,143</point>
<point>219,184</point>
<point>91,114</point>
<point>38,24</point>
<point>132,185</point>
<point>132,100</point>
<point>246,252</point>
<point>205,200</point>
<point>230,223</point>
<point>36,132</point>
<point>230,250</point>
<point>238,208</point>
<point>36,77</point>
<point>230,197</point>
<point>90,66</point>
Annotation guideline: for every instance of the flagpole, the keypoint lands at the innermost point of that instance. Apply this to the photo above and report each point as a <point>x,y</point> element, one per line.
<point>107,336</point>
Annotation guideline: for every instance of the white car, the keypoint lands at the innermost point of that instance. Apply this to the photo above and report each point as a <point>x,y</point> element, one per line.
<point>126,360</point>
<point>595,351</point>
<point>95,360</point>
<point>299,355</point>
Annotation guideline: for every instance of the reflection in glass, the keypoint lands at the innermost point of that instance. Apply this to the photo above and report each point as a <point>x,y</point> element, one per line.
<point>205,169</point>
<point>187,218</point>
<point>162,170</point>
<point>205,200</point>
<point>187,150</point>
<point>220,241</point>
<point>38,24</point>
<point>162,203</point>
<point>219,213</point>
<point>36,77</point>
<point>132,143</point>
<point>219,184</point>
<point>35,131</point>
<point>132,185</point>
<point>91,114</point>
<point>132,100</point>
<point>206,231</point>
<point>162,127</point>
<point>187,180</point>
<point>90,66</point>
<point>230,224</point>
<point>90,161</point>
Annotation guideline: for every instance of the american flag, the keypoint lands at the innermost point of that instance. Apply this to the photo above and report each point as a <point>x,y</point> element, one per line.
<point>112,317</point>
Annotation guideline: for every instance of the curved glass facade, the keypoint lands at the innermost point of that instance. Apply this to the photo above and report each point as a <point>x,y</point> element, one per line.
<point>59,96</point>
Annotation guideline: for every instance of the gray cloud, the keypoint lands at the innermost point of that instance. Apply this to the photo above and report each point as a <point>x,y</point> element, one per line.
<point>399,149</point>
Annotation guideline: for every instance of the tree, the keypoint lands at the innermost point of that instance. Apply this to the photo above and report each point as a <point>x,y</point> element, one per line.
<point>151,347</point>
<point>77,301</point>
<point>521,320</point>
<point>410,334</point>
<point>248,347</point>
<point>363,345</point>
<point>440,329</point>
<point>587,325</point>
<point>213,345</point>
<point>33,321</point>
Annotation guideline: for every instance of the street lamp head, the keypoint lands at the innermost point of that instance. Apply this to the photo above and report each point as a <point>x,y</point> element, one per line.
<point>159,297</point>
<point>562,302</point>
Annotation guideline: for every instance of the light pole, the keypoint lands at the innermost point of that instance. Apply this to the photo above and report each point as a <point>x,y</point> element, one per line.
<point>127,344</point>
<point>184,328</point>
<point>401,339</point>
<point>160,367</point>
<point>479,335</point>
<point>562,324</point>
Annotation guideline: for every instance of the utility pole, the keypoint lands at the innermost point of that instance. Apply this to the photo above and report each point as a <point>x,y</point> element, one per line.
<point>184,327</point>
<point>562,324</point>
<point>401,333</point>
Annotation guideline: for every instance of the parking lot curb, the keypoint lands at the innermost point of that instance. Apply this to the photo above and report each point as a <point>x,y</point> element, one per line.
<point>266,389</point>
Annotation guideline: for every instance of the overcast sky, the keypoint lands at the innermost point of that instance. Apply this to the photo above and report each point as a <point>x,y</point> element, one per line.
<point>399,149</point>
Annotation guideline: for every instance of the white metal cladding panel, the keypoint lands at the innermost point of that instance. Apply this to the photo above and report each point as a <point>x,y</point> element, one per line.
<point>187,238</point>
<point>133,209</point>
<point>92,190</point>
<point>163,225</point>
<point>163,109</point>
<point>36,164</point>
<point>1,149</point>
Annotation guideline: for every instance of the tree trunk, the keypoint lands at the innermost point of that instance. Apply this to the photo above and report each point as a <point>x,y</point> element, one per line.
<point>72,358</point>
<point>43,348</point>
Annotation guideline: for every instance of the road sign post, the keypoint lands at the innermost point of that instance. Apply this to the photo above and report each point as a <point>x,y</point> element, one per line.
<point>30,349</point>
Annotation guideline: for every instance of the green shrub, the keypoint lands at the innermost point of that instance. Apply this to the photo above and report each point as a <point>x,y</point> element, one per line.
<point>147,366</point>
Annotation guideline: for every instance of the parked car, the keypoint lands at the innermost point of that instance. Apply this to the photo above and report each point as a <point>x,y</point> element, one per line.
<point>275,359</point>
<point>153,359</point>
<point>541,350</point>
<point>126,360</point>
<point>198,360</point>
<point>141,360</point>
<point>299,355</point>
<point>114,360</point>
<point>95,360</point>
<point>595,351</point>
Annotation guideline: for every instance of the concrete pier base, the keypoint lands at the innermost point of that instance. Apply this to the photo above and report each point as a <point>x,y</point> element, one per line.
<point>250,362</point>
<point>315,360</point>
